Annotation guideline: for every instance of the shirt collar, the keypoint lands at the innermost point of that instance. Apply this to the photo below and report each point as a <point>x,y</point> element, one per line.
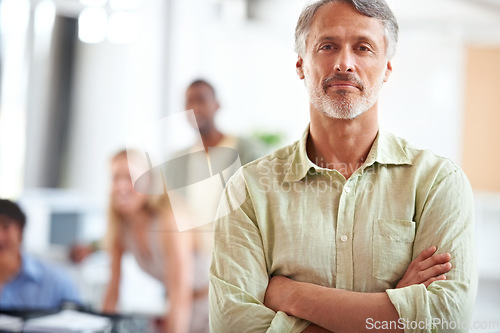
<point>386,149</point>
<point>301,164</point>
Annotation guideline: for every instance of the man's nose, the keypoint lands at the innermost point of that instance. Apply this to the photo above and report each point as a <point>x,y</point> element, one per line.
<point>344,61</point>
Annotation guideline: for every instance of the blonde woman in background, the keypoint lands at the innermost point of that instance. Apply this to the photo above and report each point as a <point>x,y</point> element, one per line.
<point>147,228</point>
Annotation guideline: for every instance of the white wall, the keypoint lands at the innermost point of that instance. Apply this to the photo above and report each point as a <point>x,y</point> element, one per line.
<point>422,101</point>
<point>117,88</point>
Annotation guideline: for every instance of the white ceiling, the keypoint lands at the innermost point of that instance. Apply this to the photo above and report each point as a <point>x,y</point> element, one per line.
<point>471,17</point>
<point>471,11</point>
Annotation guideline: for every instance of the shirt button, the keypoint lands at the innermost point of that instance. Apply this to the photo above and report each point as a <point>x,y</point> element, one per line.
<point>347,189</point>
<point>343,238</point>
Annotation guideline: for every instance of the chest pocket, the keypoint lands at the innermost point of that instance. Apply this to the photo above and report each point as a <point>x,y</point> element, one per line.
<point>392,249</point>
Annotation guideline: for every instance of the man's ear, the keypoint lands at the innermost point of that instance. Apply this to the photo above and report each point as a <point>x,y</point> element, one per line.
<point>299,67</point>
<point>388,71</point>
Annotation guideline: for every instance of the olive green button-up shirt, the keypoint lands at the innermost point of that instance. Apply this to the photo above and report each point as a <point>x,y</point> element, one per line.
<point>312,225</point>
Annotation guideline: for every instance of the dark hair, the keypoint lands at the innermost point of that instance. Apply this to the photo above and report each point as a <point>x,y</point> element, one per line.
<point>199,82</point>
<point>372,8</point>
<point>12,211</point>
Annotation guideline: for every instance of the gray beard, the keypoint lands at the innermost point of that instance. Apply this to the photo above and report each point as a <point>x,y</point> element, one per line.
<point>342,105</point>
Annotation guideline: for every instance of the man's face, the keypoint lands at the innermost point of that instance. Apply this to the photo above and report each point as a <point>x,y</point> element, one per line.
<point>10,236</point>
<point>201,99</point>
<point>344,64</point>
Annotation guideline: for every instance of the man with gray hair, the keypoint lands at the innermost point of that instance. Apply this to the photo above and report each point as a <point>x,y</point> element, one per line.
<point>350,229</point>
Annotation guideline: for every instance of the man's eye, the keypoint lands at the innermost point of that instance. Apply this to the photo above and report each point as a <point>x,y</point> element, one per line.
<point>363,48</point>
<point>326,47</point>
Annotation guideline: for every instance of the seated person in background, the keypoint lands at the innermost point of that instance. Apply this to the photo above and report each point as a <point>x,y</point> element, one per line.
<point>149,231</point>
<point>26,282</point>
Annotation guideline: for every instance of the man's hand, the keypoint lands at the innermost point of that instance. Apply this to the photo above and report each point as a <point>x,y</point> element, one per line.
<point>426,268</point>
<point>79,252</point>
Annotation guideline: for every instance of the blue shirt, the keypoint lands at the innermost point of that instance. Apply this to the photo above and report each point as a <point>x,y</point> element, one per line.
<point>38,286</point>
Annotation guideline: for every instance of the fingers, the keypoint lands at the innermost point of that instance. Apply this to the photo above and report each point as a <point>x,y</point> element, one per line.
<point>432,260</point>
<point>437,278</point>
<point>432,266</point>
<point>435,271</point>
<point>426,268</point>
<point>427,253</point>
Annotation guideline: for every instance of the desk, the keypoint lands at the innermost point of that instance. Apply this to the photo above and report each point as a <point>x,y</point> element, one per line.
<point>117,323</point>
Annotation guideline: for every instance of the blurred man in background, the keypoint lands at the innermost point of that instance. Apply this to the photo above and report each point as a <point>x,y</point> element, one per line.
<point>215,153</point>
<point>201,98</point>
<point>26,282</point>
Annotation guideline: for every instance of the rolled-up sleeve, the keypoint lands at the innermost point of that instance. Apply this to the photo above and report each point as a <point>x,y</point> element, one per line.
<point>447,221</point>
<point>238,274</point>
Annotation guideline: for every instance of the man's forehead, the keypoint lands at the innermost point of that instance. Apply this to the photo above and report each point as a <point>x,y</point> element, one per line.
<point>342,15</point>
<point>4,219</point>
<point>199,86</point>
<point>199,90</point>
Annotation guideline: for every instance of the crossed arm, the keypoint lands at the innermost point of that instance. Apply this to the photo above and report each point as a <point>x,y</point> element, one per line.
<point>241,294</point>
<point>338,310</point>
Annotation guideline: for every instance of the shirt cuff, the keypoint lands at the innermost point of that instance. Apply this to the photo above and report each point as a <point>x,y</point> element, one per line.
<point>285,323</point>
<point>410,303</point>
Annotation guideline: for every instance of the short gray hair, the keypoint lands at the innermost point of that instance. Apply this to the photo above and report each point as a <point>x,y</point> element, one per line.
<point>372,8</point>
